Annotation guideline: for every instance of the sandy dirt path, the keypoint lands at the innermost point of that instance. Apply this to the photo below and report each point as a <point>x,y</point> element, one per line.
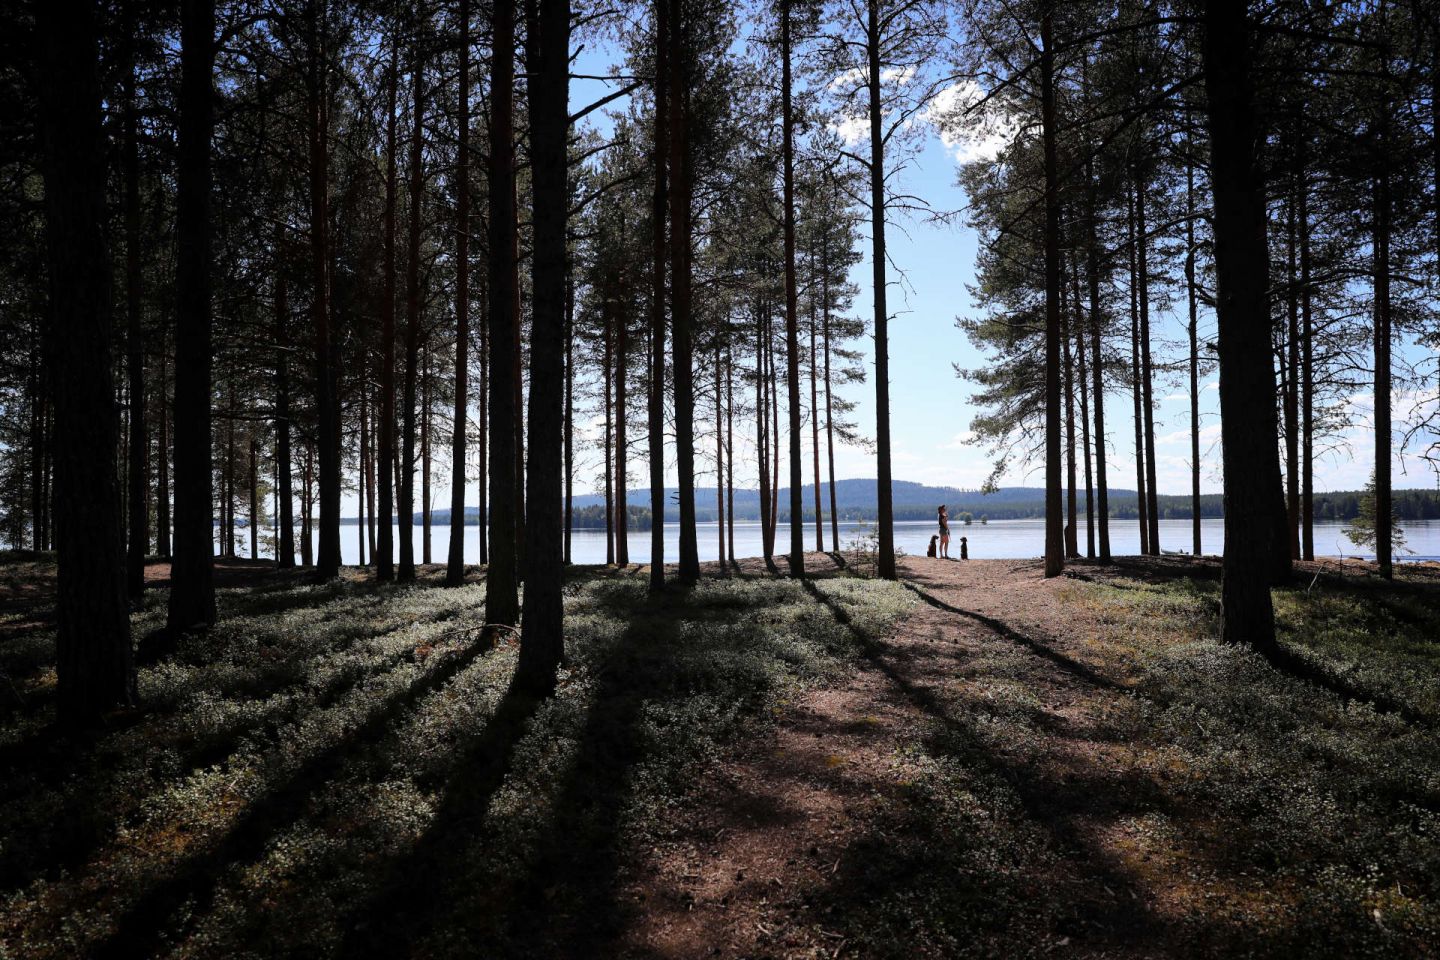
<point>772,824</point>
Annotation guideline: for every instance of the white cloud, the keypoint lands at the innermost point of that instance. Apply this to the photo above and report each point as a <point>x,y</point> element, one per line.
<point>969,131</point>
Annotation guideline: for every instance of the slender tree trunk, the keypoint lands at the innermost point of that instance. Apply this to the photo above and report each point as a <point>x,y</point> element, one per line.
<point>1072,531</point>
<point>1292,384</point>
<point>363,454</point>
<point>93,661</point>
<point>139,460</point>
<point>1147,372</point>
<point>1380,244</point>
<point>730,453</point>
<point>455,560</point>
<point>1193,328</point>
<point>762,437</point>
<point>681,303</point>
<point>622,439</point>
<point>327,376</point>
<point>1247,377</point>
<point>1054,534</point>
<point>792,319</point>
<point>307,478</point>
<point>1097,364</point>
<point>192,587</point>
<point>885,513</point>
<point>548,56</point>
<point>227,507</point>
<point>774,405</point>
<point>815,433</point>
<point>1142,502</point>
<point>719,458</point>
<point>1307,372</point>
<point>368,469</point>
<point>255,497</point>
<point>569,412</point>
<point>1082,376</point>
<point>829,397</point>
<point>408,424</point>
<point>482,446</point>
<point>162,462</point>
<point>655,410</point>
<point>285,545</point>
<point>426,460</point>
<point>502,602</point>
<point>608,375</point>
<point>385,559</point>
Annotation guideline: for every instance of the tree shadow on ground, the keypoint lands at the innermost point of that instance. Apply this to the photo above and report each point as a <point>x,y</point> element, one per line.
<point>167,905</point>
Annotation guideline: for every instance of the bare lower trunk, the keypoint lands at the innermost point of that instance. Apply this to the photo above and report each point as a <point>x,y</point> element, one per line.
<point>875,107</point>
<point>192,588</point>
<point>1247,378</point>
<point>93,655</point>
<point>502,602</point>
<point>655,409</point>
<point>455,558</point>
<point>1054,534</point>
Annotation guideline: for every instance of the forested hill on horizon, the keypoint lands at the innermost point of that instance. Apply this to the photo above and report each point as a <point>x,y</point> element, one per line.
<point>855,500</point>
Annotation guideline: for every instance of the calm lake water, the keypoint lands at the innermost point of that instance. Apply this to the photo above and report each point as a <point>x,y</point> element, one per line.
<point>999,539</point>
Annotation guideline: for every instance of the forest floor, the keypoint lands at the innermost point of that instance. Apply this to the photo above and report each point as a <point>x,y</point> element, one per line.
<point>973,762</point>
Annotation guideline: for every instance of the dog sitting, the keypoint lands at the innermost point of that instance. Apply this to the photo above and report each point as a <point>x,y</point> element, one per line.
<point>930,550</point>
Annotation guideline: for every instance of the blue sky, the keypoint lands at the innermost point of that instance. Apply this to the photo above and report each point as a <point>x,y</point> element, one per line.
<point>931,407</point>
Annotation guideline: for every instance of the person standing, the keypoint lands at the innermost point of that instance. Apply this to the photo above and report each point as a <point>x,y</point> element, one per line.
<point>944,518</point>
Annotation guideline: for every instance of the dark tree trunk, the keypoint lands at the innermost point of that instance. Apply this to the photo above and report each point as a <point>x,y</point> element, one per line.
<point>406,518</point>
<point>1380,244</point>
<point>885,514</point>
<point>385,450</point>
<point>426,408</point>
<point>1193,329</point>
<point>255,497</point>
<point>93,659</point>
<point>762,437</point>
<point>139,460</point>
<point>327,375</point>
<point>1147,372</point>
<point>681,305</point>
<point>1097,364</point>
<point>192,587</point>
<point>1247,377</point>
<point>730,453</point>
<point>1082,376</point>
<point>659,203</point>
<point>502,603</point>
<point>829,398</point>
<point>792,319</point>
<point>1307,372</point>
<point>1072,532</point>
<point>719,457</point>
<point>815,433</point>
<point>285,545</point>
<point>455,561</point>
<point>622,441</point>
<point>482,445</point>
<point>569,411</point>
<point>1054,533</point>
<point>361,460</point>
<point>1142,501</point>
<point>162,460</point>
<point>542,644</point>
<point>607,375</point>
<point>1291,396</point>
